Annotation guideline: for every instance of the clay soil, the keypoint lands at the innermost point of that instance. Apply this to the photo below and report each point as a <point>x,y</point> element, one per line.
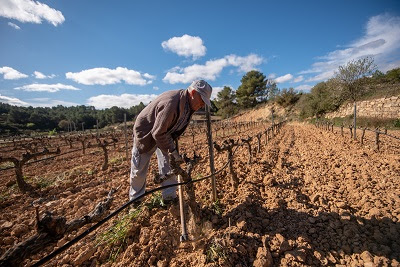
<point>310,198</point>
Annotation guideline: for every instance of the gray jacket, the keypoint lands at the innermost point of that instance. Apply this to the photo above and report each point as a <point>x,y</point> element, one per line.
<point>162,121</point>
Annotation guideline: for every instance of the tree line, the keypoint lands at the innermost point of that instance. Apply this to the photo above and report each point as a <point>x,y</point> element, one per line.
<point>352,82</point>
<point>254,90</point>
<point>16,119</point>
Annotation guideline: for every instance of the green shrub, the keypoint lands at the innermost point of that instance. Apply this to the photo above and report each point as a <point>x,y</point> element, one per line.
<point>52,132</point>
<point>287,97</point>
<point>368,122</point>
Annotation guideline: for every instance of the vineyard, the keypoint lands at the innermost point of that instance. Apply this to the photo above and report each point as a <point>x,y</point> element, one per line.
<point>288,195</point>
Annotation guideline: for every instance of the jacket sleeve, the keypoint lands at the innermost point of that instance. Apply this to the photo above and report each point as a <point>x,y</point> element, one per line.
<point>165,117</point>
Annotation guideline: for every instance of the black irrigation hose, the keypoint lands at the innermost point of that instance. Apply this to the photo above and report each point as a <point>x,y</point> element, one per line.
<point>98,224</point>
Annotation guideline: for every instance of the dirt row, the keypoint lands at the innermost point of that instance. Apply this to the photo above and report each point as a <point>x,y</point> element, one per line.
<point>311,197</point>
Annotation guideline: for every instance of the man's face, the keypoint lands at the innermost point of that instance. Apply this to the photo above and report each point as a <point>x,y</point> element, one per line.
<point>196,102</point>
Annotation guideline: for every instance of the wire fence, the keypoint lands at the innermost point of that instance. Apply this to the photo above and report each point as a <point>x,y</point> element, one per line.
<point>378,134</point>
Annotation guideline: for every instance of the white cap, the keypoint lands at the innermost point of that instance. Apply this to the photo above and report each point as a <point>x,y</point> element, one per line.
<point>204,89</point>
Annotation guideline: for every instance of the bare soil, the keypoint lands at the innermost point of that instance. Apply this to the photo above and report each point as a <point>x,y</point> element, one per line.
<point>310,198</point>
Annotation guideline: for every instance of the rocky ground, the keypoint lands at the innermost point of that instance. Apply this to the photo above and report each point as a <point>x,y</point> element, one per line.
<point>310,198</point>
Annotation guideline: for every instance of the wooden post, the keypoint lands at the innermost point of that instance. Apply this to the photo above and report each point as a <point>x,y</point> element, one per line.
<point>355,120</point>
<point>184,236</point>
<point>211,154</point>
<point>377,138</point>
<point>126,139</point>
<point>272,122</point>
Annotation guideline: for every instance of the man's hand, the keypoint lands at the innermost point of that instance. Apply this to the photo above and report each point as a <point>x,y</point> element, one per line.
<point>177,158</point>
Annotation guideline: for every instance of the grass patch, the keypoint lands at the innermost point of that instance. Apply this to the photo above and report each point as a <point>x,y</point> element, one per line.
<point>10,190</point>
<point>368,122</point>
<point>397,123</point>
<point>4,196</point>
<point>116,236</point>
<point>72,174</point>
<point>43,182</point>
<point>215,251</point>
<point>217,207</point>
<point>381,90</point>
<point>156,201</point>
<point>6,165</point>
<point>39,181</point>
<point>198,176</point>
<point>117,160</point>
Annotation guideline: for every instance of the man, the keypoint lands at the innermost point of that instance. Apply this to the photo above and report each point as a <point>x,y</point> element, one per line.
<point>156,128</point>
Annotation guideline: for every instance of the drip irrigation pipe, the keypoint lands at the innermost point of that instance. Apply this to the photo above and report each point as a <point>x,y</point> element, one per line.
<point>98,224</point>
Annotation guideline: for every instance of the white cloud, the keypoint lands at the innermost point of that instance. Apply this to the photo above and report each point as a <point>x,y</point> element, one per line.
<point>124,100</point>
<point>381,40</point>
<point>323,76</point>
<point>15,26</point>
<point>298,79</point>
<point>11,74</point>
<point>284,78</point>
<point>41,87</point>
<point>211,69</point>
<point>39,75</point>
<point>12,101</point>
<point>186,45</point>
<point>148,76</point>
<point>47,102</point>
<point>271,76</point>
<point>215,91</point>
<point>30,11</point>
<point>104,76</point>
<point>245,64</point>
<point>304,87</point>
<point>156,88</point>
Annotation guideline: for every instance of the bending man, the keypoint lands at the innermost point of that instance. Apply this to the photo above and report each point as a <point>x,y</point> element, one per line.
<point>156,128</point>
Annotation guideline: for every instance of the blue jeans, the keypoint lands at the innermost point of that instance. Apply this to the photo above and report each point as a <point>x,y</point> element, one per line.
<point>139,168</point>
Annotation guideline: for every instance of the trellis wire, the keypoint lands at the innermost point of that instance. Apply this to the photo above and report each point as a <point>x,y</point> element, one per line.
<point>323,125</point>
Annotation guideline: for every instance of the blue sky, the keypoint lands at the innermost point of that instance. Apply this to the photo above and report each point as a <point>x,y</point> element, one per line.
<point>106,53</point>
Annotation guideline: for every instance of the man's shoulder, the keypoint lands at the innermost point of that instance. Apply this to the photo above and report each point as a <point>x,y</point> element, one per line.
<point>172,93</point>
<point>171,96</point>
